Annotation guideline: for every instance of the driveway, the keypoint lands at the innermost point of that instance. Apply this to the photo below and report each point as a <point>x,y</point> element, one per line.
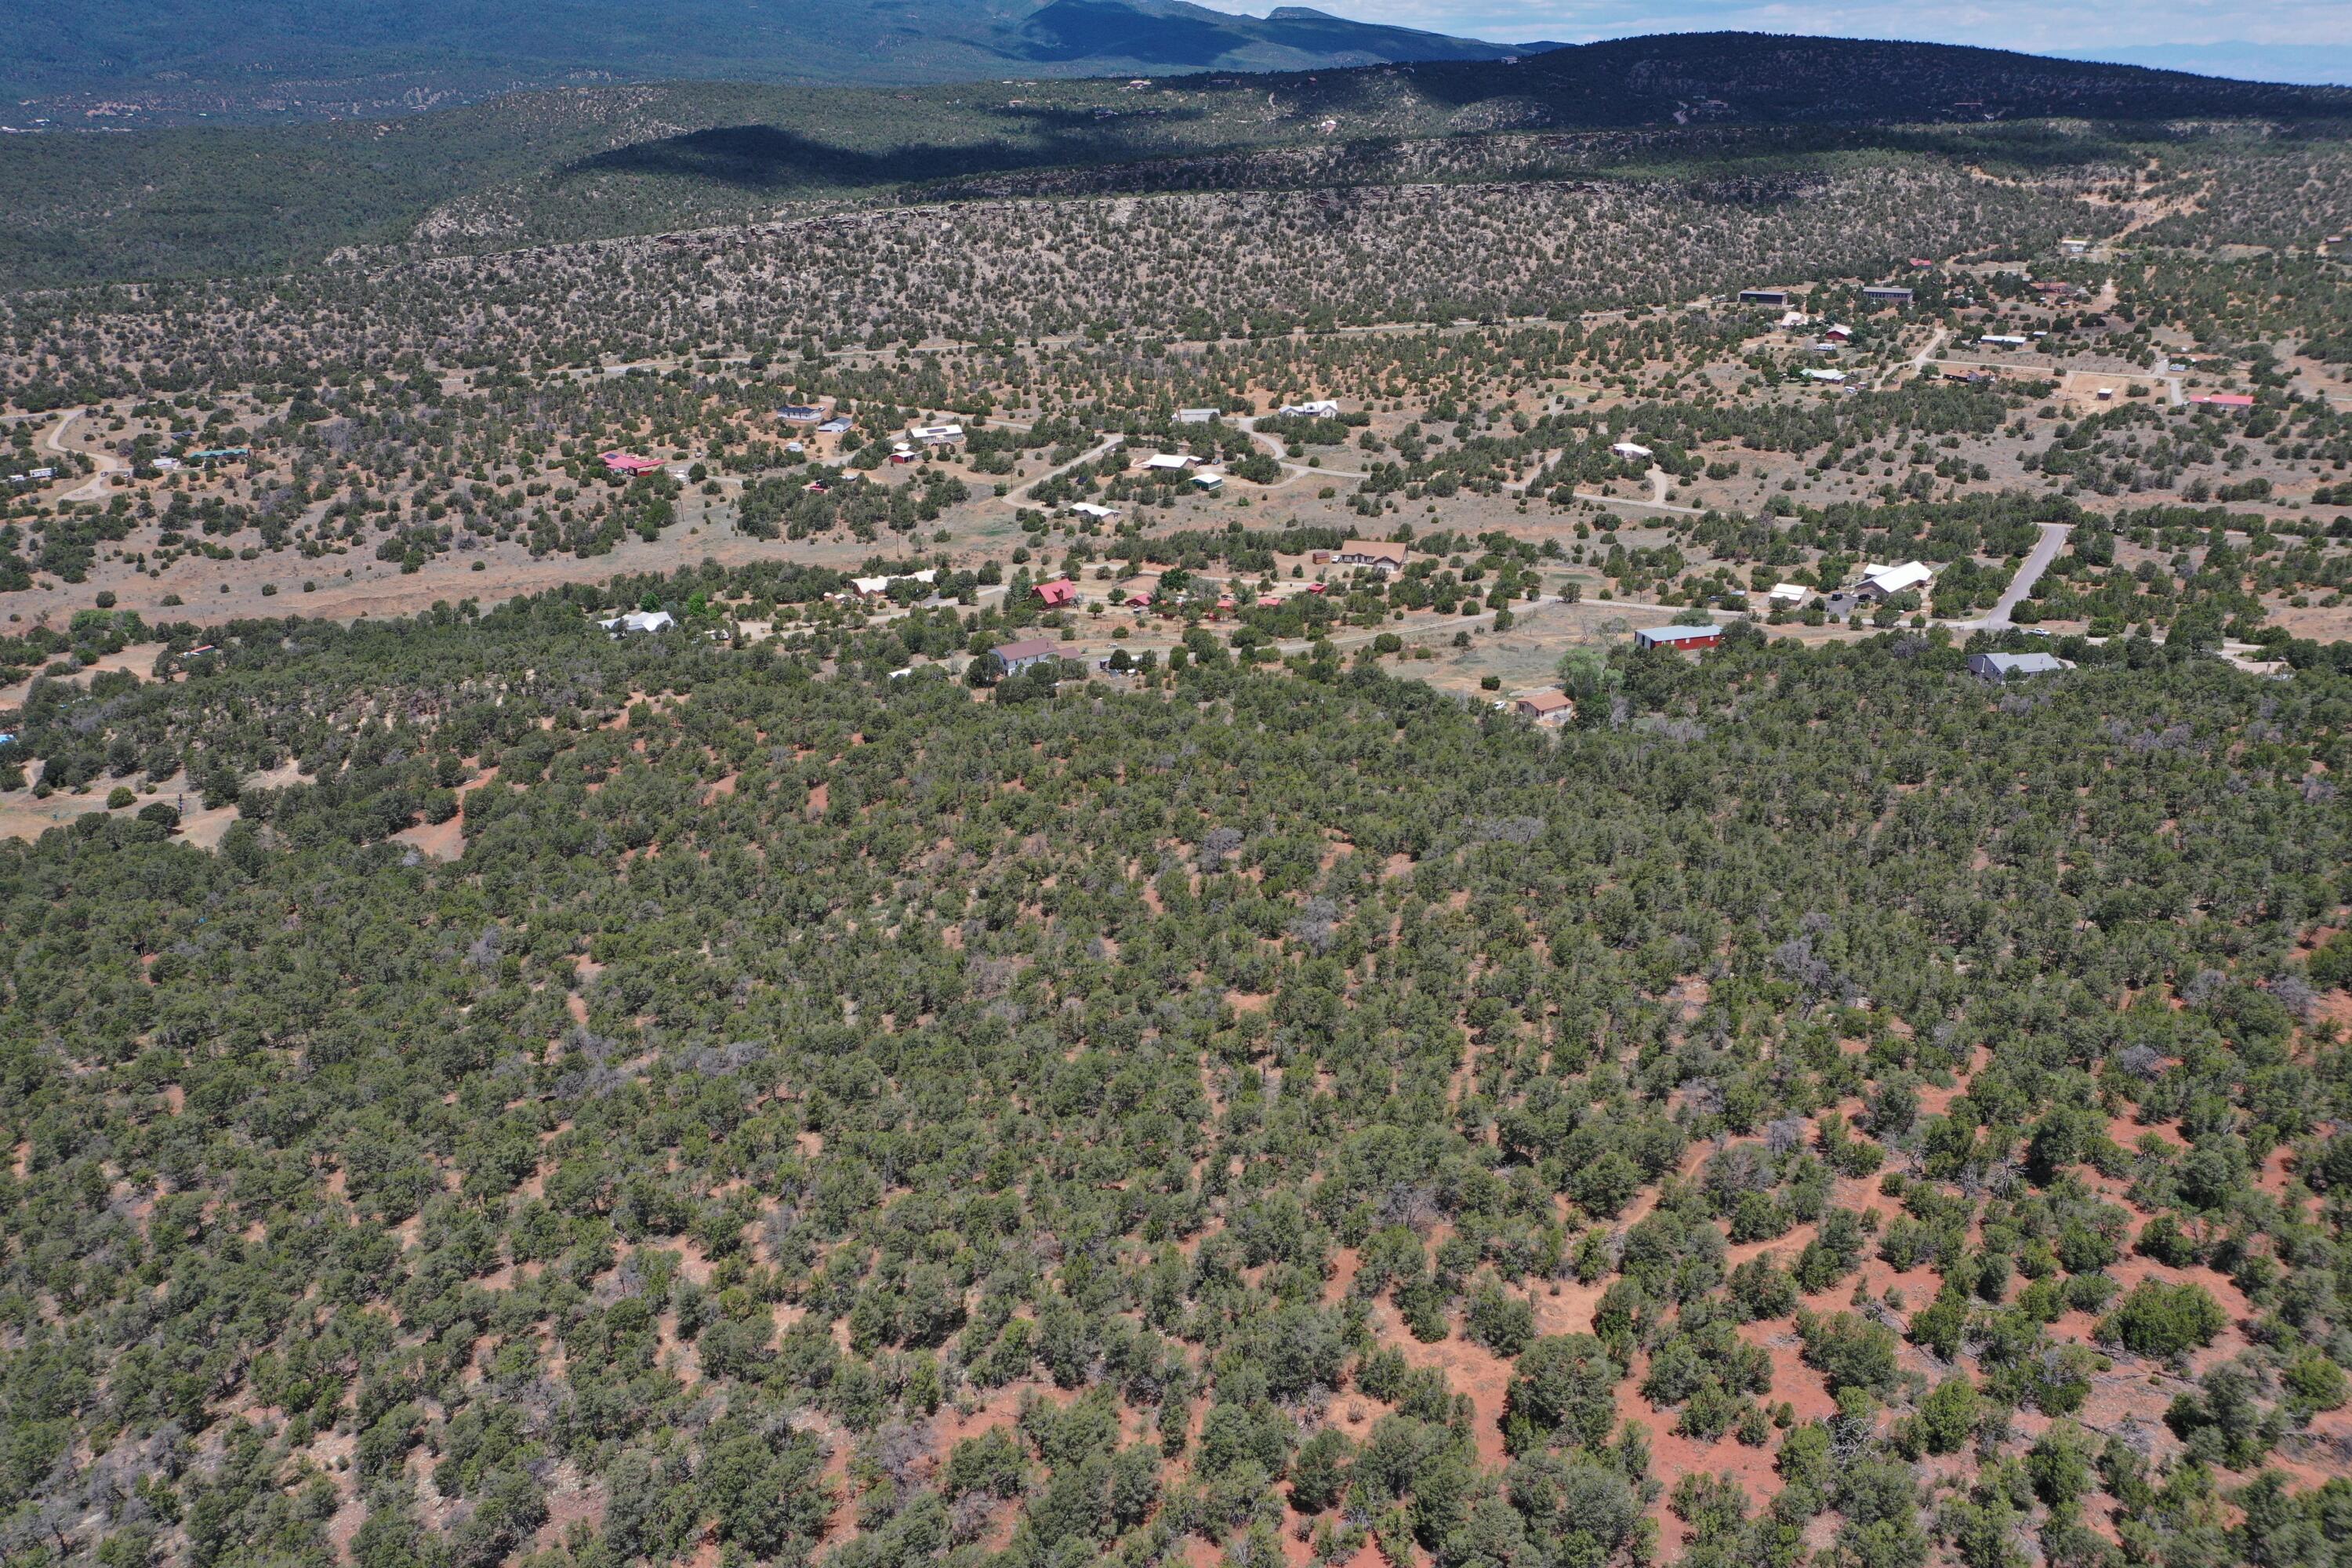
<point>2053,540</point>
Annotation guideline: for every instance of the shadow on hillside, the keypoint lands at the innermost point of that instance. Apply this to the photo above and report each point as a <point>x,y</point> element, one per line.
<point>770,158</point>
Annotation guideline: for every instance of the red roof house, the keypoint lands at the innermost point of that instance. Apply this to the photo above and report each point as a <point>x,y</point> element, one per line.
<point>1054,595</point>
<point>630,463</point>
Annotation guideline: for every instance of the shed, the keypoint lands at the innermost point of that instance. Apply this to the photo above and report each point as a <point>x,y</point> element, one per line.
<point>1678,636</point>
<point>1888,293</point>
<point>1764,297</point>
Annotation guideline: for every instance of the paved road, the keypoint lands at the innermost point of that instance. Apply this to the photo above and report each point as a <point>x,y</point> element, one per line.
<point>2053,540</point>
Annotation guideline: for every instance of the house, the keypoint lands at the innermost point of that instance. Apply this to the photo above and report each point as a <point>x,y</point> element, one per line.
<point>1546,708</point>
<point>1890,293</point>
<point>801,413</point>
<point>167,464</point>
<point>2209,400</point>
<point>936,434</point>
<point>2003,341</point>
<point>1785,594</point>
<point>1269,601</point>
<point>1167,463</point>
<point>2074,246</point>
<point>836,426</point>
<point>1061,591</point>
<point>1834,377</point>
<point>639,621</point>
<point>1764,297</point>
<point>1093,512</point>
<point>1839,334</point>
<point>1793,319</point>
<point>38,475</point>
<point>1629,449</point>
<point>1014,657</point>
<point>1320,410</point>
<point>1196,416</point>
<point>1137,599</point>
<point>1678,636</point>
<point>1382,556</point>
<point>878,588</point>
<point>1886,582</point>
<point>630,464</point>
<point>1998,667</point>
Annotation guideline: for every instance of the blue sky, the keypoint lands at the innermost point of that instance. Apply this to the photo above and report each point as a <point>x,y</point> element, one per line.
<point>2280,39</point>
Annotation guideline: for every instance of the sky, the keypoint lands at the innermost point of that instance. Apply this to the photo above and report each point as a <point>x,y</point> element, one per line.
<point>2300,40</point>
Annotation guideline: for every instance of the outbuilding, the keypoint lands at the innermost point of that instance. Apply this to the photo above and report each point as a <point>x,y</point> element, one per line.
<point>1678,636</point>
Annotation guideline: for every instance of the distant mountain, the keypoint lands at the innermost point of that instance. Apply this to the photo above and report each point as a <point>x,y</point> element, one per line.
<point>303,59</point>
<point>2313,65</point>
<point>1170,35</point>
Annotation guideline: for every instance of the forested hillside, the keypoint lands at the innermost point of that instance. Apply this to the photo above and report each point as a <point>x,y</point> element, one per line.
<point>593,162</point>
<point>606,1101</point>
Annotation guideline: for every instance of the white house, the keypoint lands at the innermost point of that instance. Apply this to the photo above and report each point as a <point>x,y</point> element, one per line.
<point>1834,377</point>
<point>639,621</point>
<point>1090,510</point>
<point>1886,582</point>
<point>873,587</point>
<point>1630,450</point>
<point>1382,556</point>
<point>1168,462</point>
<point>935,435</point>
<point>2004,340</point>
<point>1322,408</point>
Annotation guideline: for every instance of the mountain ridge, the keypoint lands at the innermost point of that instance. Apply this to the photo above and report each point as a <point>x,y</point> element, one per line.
<point>127,59</point>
